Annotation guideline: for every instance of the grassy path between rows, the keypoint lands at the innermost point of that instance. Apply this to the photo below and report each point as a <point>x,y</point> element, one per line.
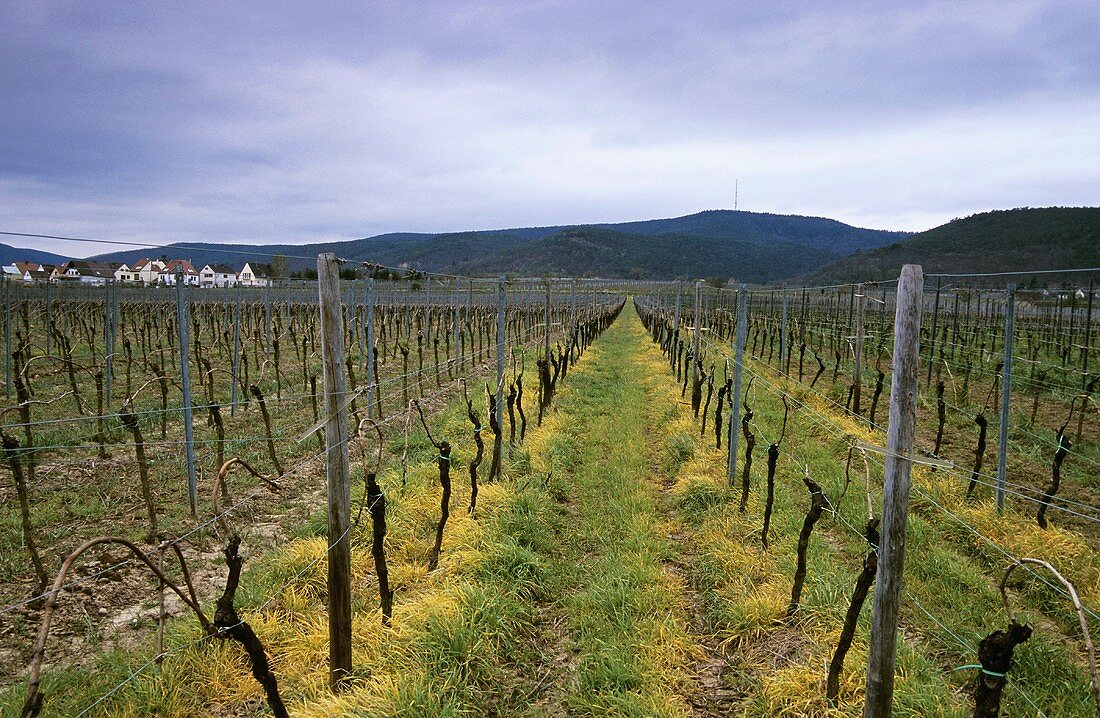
<point>608,573</point>
<point>622,603</point>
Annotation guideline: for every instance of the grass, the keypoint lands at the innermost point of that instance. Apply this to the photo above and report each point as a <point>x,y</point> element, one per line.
<point>951,575</point>
<point>607,568</point>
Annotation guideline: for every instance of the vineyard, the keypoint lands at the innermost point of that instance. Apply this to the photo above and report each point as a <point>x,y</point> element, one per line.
<point>438,495</point>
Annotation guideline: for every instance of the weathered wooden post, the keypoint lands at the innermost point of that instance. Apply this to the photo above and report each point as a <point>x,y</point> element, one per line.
<point>1006,395</point>
<point>697,322</point>
<point>337,469</point>
<point>372,370</point>
<point>932,336</point>
<point>7,336</point>
<point>895,503</point>
<point>236,352</point>
<point>857,374</point>
<point>183,324</point>
<point>735,400</point>
<point>500,350</point>
<point>783,334</point>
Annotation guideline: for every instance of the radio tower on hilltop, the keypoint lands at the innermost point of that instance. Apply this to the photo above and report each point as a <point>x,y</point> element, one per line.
<point>735,195</point>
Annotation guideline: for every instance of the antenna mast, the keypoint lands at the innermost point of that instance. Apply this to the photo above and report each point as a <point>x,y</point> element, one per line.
<point>734,195</point>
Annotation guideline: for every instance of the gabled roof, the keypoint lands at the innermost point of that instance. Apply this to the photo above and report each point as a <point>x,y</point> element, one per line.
<point>259,269</point>
<point>221,269</point>
<point>96,266</point>
<point>176,266</point>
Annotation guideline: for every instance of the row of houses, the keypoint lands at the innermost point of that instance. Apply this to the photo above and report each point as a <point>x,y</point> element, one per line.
<point>149,272</point>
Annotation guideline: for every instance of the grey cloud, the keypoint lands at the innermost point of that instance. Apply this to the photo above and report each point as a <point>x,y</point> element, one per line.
<point>281,120</point>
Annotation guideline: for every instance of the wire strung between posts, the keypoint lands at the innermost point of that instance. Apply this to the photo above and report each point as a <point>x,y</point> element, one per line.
<point>1021,488</point>
<point>235,507</point>
<point>258,609</point>
<point>779,391</point>
<point>1009,274</point>
<point>838,429</point>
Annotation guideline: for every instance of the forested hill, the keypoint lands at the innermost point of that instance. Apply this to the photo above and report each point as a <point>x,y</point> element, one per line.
<point>754,247</point>
<point>9,254</point>
<point>998,241</point>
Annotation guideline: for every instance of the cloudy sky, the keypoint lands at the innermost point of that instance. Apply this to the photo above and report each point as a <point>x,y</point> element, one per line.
<point>294,122</point>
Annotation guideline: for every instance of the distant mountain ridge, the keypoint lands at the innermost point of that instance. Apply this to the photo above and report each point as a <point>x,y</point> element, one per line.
<point>9,254</point>
<point>1024,239</point>
<point>754,247</point>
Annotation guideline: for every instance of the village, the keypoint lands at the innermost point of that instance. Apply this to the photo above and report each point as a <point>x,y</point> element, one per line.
<point>146,272</point>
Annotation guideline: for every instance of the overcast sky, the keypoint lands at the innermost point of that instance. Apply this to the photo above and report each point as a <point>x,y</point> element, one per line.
<point>296,122</point>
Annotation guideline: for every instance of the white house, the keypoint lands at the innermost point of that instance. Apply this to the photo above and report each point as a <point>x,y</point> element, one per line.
<point>32,271</point>
<point>125,274</point>
<point>12,271</point>
<point>217,275</point>
<point>148,270</point>
<point>95,273</point>
<point>249,278</point>
<point>180,268</point>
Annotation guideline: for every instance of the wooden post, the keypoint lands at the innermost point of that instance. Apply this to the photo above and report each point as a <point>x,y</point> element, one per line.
<point>1006,395</point>
<point>183,324</point>
<point>337,469</point>
<point>932,336</point>
<point>428,311</point>
<point>372,370</point>
<point>783,334</point>
<point>697,321</point>
<point>573,319</point>
<point>895,503</point>
<point>1084,349</point>
<point>267,320</point>
<point>735,400</point>
<point>457,328</point>
<point>7,336</point>
<point>546,325</point>
<point>108,343</point>
<point>236,352</point>
<point>501,328</point>
<point>50,318</point>
<point>360,327</point>
<point>857,374</point>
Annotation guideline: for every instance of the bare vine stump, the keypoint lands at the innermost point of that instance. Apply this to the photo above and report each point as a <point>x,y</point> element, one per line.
<point>941,414</point>
<point>498,437</point>
<point>750,443</point>
<point>11,453</point>
<point>859,595</point>
<point>230,625</point>
<point>267,426</point>
<point>480,450</point>
<point>131,423</point>
<point>773,459</point>
<point>979,453</point>
<point>995,654</point>
<point>818,503</point>
<point>376,500</point>
<point>1064,446</point>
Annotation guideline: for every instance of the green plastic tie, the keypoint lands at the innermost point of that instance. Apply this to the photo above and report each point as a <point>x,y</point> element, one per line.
<point>981,668</point>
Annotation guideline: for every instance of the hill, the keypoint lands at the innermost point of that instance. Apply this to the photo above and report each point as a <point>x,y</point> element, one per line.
<point>756,247</point>
<point>596,251</point>
<point>998,241</point>
<point>9,254</point>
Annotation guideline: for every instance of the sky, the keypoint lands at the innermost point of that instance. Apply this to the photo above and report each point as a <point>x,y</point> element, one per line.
<point>289,122</point>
